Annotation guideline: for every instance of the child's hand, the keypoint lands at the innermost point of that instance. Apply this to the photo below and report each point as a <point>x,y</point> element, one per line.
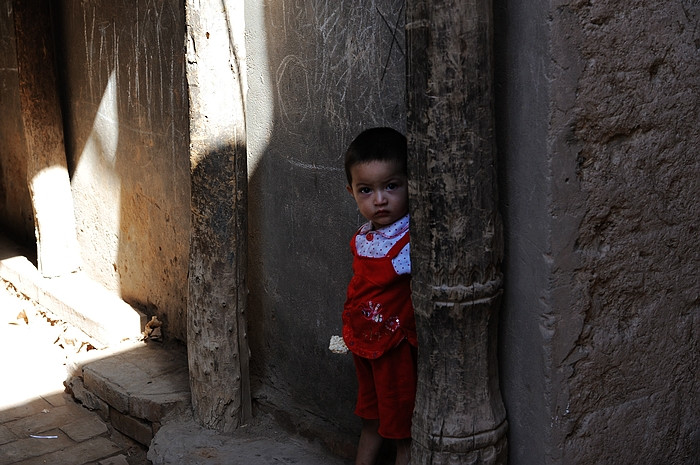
<point>337,345</point>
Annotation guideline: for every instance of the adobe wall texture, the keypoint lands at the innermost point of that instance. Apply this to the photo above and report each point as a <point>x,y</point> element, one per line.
<point>602,259</point>
<point>633,127</point>
<point>121,73</point>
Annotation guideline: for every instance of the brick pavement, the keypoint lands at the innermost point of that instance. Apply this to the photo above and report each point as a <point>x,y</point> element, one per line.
<point>39,422</point>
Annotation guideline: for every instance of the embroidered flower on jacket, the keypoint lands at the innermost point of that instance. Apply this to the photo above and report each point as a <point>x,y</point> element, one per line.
<point>372,311</point>
<point>392,324</point>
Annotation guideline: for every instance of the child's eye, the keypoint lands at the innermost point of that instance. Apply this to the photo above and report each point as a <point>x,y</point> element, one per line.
<point>391,186</point>
<point>365,190</point>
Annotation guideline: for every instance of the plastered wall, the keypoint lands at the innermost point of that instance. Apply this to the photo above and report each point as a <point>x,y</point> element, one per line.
<point>121,66</point>
<point>522,110</point>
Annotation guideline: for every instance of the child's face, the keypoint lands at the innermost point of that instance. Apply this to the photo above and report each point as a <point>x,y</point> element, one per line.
<point>380,190</point>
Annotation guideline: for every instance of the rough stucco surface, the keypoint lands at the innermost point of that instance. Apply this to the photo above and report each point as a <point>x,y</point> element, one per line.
<point>326,70</point>
<point>601,232</point>
<point>125,113</point>
<point>629,325</point>
<point>16,217</point>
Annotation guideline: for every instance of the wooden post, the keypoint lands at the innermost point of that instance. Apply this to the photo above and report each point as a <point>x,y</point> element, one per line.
<point>216,323</point>
<point>456,237</point>
<point>58,252</point>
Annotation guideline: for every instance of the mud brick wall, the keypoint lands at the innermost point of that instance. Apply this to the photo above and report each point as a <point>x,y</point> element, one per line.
<point>633,125</point>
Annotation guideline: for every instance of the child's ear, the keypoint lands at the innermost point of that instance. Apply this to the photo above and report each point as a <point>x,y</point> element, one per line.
<point>349,189</point>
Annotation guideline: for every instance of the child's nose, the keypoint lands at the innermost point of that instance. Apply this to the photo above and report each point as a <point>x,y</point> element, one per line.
<point>379,198</point>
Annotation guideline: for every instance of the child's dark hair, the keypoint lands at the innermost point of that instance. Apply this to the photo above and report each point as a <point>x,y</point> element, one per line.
<point>376,144</point>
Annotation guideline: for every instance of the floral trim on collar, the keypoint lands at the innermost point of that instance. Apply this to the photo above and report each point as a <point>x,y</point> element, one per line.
<point>396,228</point>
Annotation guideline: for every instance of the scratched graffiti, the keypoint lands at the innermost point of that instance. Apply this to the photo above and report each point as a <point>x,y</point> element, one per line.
<point>123,73</point>
<point>329,69</point>
<point>337,63</point>
<point>293,91</point>
<point>135,42</point>
<point>395,32</point>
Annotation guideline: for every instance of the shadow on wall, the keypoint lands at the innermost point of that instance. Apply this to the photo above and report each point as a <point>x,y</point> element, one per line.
<point>126,129</point>
<point>317,75</point>
<point>125,118</point>
<point>16,216</point>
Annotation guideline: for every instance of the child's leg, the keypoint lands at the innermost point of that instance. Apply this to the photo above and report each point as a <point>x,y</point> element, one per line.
<point>403,451</point>
<point>370,442</point>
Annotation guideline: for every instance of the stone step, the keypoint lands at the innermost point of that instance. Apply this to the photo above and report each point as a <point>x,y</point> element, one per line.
<point>135,388</point>
<point>75,298</point>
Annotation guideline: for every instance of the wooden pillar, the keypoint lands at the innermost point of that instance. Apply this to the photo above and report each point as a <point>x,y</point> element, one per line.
<point>216,323</point>
<point>47,173</point>
<point>456,236</point>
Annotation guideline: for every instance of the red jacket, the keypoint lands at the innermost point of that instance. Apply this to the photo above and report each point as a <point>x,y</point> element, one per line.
<point>378,312</point>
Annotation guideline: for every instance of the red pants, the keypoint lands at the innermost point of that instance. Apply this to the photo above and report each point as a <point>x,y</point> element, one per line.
<point>387,390</point>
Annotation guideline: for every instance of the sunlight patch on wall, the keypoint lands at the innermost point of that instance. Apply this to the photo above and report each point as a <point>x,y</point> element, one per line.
<point>97,188</point>
<point>259,117</point>
<point>105,131</point>
<point>55,228</point>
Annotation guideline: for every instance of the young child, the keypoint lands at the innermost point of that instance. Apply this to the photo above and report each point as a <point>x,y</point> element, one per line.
<point>378,322</point>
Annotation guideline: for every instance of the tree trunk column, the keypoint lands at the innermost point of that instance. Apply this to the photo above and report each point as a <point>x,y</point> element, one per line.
<point>58,252</point>
<point>216,324</point>
<point>456,236</point>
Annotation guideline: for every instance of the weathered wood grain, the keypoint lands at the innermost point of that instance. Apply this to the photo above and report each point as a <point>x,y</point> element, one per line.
<point>456,242</point>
